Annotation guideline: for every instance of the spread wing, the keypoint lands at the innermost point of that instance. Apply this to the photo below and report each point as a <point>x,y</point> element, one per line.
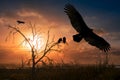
<point>80,26</point>
<point>75,18</point>
<point>97,41</point>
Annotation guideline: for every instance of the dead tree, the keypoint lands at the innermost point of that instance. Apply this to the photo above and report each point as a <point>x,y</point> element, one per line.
<point>35,58</point>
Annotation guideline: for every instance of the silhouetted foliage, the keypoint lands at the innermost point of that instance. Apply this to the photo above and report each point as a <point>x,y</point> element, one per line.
<point>64,72</point>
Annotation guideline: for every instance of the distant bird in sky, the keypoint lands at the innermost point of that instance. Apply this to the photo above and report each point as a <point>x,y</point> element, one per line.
<point>83,31</point>
<point>20,22</point>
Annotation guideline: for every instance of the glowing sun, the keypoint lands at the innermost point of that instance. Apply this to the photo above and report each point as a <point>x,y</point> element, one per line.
<point>36,41</point>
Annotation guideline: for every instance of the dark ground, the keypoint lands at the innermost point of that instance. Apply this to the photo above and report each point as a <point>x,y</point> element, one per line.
<point>74,72</point>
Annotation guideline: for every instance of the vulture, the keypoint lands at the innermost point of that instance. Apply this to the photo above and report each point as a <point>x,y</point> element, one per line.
<point>84,32</point>
<point>20,22</point>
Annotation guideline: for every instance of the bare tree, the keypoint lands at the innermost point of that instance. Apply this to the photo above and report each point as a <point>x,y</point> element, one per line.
<point>35,58</point>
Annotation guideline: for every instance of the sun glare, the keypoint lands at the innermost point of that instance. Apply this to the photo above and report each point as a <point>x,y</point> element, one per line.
<point>37,42</point>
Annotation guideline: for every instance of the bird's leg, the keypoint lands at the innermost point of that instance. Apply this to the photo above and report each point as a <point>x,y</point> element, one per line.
<point>77,37</point>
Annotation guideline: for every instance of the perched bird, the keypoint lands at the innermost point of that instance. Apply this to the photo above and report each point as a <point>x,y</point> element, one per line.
<point>84,32</point>
<point>20,22</point>
<point>64,39</point>
<point>59,40</point>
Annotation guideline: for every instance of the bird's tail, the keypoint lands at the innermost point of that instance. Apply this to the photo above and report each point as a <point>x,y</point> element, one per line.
<point>77,37</point>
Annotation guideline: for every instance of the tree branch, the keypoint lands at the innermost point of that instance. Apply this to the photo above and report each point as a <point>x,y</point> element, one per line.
<point>45,52</point>
<point>21,34</point>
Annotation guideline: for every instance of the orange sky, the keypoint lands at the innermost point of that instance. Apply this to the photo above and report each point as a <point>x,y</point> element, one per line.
<point>11,52</point>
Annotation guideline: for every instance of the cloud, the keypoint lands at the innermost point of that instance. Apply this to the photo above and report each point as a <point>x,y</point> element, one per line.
<point>9,55</point>
<point>82,52</point>
<point>114,36</point>
<point>52,9</point>
<point>6,55</point>
<point>115,51</point>
<point>114,39</point>
<point>46,8</point>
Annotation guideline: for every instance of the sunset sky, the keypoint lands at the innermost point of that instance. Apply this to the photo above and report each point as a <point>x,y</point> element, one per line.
<point>103,16</point>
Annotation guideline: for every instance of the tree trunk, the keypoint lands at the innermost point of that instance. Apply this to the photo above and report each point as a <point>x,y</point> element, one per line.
<point>33,64</point>
<point>33,72</point>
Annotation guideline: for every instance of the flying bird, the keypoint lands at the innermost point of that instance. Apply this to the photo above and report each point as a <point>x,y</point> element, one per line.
<point>20,22</point>
<point>84,32</point>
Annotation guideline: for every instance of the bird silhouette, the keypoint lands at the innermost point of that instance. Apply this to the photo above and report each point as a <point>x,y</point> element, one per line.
<point>59,40</point>
<point>84,32</point>
<point>64,39</point>
<point>20,22</point>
